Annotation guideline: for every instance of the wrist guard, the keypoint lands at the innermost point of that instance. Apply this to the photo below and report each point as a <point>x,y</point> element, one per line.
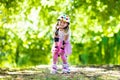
<point>62,48</point>
<point>63,43</point>
<point>56,39</point>
<point>56,46</point>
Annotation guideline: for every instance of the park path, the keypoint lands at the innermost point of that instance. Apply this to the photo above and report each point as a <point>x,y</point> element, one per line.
<point>42,72</point>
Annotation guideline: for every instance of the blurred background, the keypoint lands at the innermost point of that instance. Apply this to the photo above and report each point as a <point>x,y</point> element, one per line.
<point>26,30</point>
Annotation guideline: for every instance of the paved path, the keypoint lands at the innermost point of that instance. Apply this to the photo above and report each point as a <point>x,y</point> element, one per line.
<point>93,71</point>
<point>89,73</point>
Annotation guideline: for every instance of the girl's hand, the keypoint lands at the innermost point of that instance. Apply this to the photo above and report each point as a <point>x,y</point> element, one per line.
<point>62,46</point>
<point>62,51</point>
<point>56,49</point>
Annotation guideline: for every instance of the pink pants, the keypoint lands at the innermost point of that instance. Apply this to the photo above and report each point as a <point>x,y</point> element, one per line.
<point>63,56</point>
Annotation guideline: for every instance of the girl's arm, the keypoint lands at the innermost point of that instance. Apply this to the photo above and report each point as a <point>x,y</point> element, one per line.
<point>56,40</point>
<point>56,37</point>
<point>65,39</point>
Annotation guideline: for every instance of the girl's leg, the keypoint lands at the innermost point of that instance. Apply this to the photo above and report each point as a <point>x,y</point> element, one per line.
<point>55,52</point>
<point>55,58</point>
<point>64,58</point>
<point>54,66</point>
<point>65,64</point>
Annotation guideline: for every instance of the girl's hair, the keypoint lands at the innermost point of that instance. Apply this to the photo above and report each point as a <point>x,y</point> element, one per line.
<point>66,29</point>
<point>56,29</point>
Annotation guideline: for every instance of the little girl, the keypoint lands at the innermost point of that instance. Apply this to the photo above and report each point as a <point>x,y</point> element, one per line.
<point>61,46</point>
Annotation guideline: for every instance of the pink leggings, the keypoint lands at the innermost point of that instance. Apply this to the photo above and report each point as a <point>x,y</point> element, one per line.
<point>63,57</point>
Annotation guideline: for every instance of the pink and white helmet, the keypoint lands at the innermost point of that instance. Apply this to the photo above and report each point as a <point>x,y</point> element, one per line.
<point>64,18</point>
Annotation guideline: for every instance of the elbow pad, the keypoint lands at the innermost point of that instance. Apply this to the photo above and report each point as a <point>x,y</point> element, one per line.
<point>56,39</point>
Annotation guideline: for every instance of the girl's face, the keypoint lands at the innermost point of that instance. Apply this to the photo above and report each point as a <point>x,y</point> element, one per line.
<point>62,24</point>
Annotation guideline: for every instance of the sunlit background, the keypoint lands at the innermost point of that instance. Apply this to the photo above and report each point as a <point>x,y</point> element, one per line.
<point>26,30</point>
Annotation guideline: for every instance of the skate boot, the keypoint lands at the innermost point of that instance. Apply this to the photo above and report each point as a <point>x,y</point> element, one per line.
<point>54,69</point>
<point>65,69</point>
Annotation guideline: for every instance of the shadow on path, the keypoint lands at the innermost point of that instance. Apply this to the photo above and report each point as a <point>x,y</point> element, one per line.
<point>42,72</point>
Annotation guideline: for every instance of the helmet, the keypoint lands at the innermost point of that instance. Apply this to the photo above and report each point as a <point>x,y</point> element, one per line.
<point>64,18</point>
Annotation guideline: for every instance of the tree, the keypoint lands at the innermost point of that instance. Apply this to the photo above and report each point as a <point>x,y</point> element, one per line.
<point>26,31</point>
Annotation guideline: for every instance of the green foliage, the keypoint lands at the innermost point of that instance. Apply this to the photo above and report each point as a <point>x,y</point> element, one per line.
<point>26,31</point>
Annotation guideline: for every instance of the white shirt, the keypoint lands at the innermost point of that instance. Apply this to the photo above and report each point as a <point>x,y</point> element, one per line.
<point>61,34</point>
